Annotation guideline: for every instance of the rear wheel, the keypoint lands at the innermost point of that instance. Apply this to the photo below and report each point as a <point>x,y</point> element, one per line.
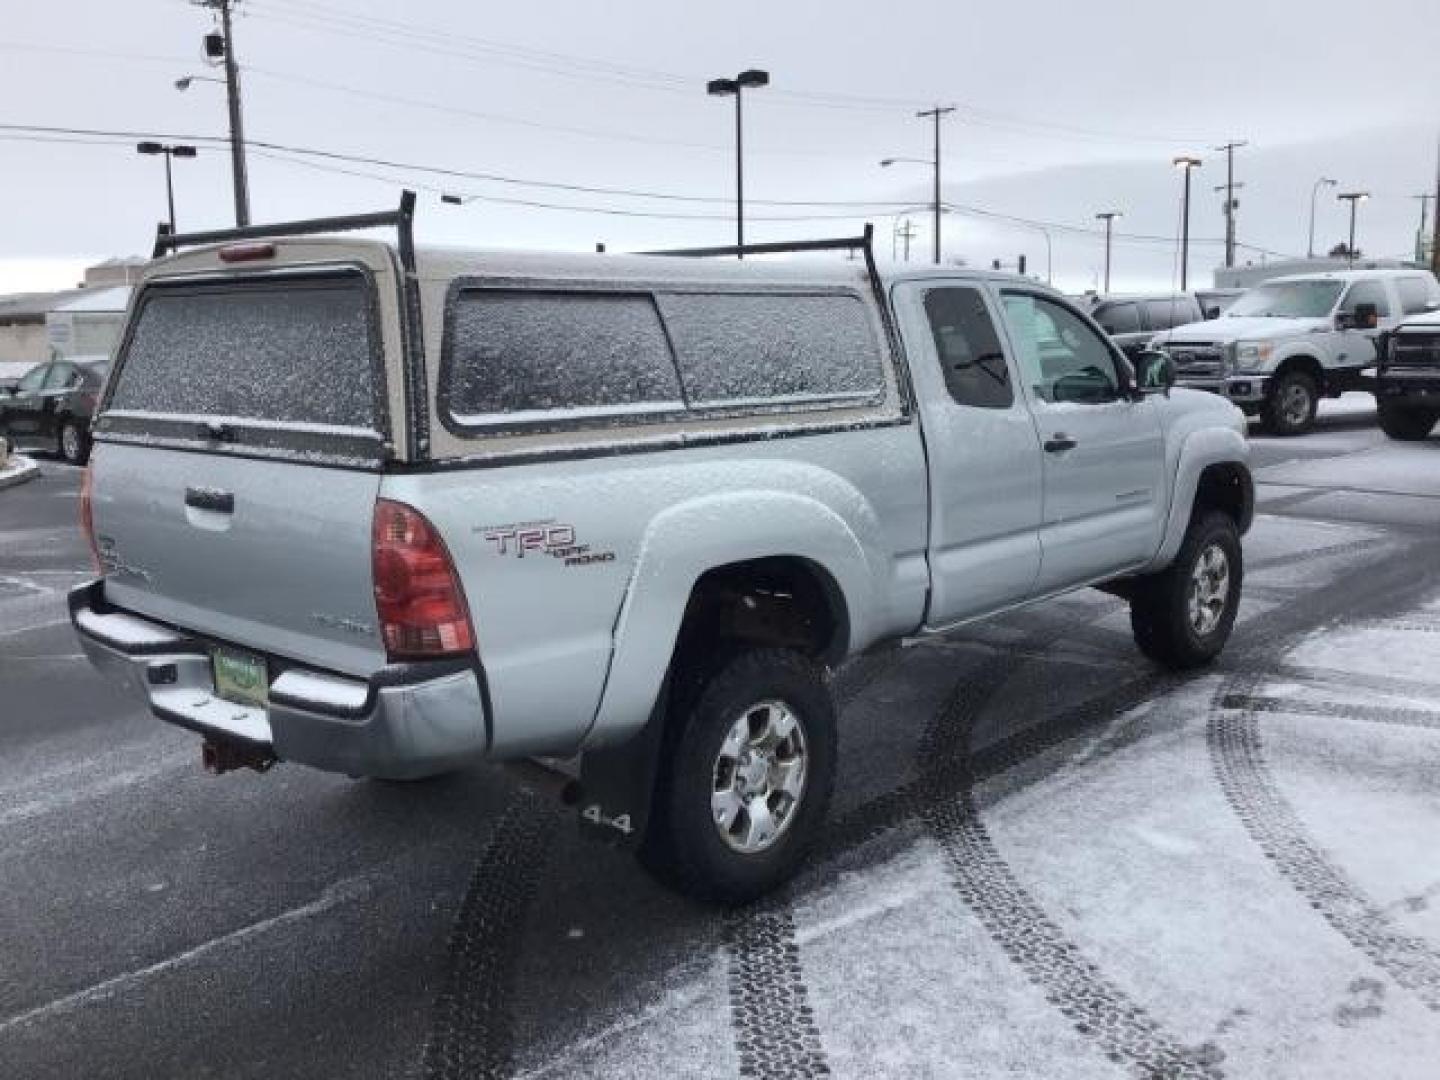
<point>745,777</point>
<point>1290,404</point>
<point>74,443</point>
<point>1182,616</point>
<point>1406,423</point>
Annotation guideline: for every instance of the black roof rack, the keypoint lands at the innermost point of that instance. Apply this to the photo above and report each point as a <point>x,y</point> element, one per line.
<point>402,220</point>
<point>782,247</point>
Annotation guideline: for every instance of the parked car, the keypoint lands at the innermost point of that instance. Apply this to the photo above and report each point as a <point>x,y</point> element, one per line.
<point>1290,341</point>
<point>1132,321</point>
<point>406,512</point>
<point>52,405</point>
<point>1407,380</point>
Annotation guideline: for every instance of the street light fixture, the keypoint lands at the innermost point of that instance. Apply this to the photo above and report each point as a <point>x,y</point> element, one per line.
<point>750,79</point>
<point>172,150</point>
<point>1324,181</point>
<point>183,83</point>
<point>1186,163</point>
<point>1354,198</point>
<point>1108,217</point>
<point>934,162</point>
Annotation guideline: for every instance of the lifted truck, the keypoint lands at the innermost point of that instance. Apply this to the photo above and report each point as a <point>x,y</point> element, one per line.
<point>408,511</point>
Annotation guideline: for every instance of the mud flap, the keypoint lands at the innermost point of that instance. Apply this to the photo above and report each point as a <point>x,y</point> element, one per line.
<point>617,783</point>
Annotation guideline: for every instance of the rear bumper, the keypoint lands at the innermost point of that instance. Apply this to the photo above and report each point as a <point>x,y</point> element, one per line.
<point>405,721</point>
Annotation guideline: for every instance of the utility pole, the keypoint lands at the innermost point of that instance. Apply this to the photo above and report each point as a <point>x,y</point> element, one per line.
<point>225,47</point>
<point>1435,235</point>
<point>907,232</point>
<point>1230,149</point>
<point>936,113</point>
<point>1424,219</point>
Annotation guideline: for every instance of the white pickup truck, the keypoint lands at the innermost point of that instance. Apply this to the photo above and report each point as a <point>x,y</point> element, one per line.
<point>1292,340</point>
<point>391,513</point>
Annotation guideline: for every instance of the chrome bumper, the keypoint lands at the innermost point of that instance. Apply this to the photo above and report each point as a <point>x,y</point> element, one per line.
<point>405,721</point>
<point>1238,388</point>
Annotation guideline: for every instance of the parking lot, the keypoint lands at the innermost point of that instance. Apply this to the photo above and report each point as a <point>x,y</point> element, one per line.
<point>1046,858</point>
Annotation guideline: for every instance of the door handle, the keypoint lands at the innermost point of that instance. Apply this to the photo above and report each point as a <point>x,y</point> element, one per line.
<point>1059,443</point>
<point>222,502</point>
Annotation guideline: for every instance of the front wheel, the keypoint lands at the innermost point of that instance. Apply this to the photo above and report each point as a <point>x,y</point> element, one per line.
<point>1407,424</point>
<point>1290,405</point>
<point>74,443</point>
<point>1182,616</point>
<point>746,777</point>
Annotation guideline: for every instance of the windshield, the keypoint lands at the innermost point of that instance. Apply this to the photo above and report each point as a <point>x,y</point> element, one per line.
<point>1288,300</point>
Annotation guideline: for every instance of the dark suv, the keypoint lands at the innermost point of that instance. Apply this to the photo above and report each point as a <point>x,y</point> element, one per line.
<point>1131,321</point>
<point>51,406</point>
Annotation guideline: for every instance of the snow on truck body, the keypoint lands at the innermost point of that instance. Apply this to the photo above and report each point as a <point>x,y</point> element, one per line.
<point>529,505</point>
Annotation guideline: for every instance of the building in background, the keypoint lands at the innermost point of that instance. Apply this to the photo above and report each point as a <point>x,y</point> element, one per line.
<point>88,324</point>
<point>1244,277</point>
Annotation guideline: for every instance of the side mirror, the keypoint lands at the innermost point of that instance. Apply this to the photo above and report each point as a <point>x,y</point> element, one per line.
<point>1155,372</point>
<point>1367,316</point>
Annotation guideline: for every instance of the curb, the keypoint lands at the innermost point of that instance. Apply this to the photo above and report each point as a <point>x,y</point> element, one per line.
<point>18,471</point>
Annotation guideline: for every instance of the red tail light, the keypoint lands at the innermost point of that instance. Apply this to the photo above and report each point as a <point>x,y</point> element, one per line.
<point>417,592</point>
<point>87,517</point>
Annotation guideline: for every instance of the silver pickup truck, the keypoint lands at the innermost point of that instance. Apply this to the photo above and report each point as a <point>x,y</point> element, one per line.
<point>390,513</point>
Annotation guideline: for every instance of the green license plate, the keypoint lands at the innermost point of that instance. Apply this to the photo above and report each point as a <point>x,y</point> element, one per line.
<point>241,677</point>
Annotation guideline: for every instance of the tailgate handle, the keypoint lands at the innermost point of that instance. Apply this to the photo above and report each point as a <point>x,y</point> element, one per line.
<point>222,502</point>
<point>217,432</point>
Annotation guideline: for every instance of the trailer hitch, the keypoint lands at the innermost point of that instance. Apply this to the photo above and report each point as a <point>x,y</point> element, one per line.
<point>223,757</point>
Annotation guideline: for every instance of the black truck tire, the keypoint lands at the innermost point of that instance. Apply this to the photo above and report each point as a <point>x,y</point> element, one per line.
<point>745,777</point>
<point>1407,423</point>
<point>1290,404</point>
<point>1182,617</point>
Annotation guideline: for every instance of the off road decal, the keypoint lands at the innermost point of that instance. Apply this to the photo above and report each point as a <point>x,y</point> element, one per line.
<point>551,538</point>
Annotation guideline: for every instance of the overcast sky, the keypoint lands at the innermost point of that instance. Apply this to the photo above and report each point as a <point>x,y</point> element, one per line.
<point>1063,109</point>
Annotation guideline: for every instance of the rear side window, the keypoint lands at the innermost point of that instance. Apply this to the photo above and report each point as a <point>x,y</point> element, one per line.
<point>1118,318</point>
<point>297,351</point>
<point>1417,294</point>
<point>520,355</point>
<point>736,349</point>
<point>968,348</point>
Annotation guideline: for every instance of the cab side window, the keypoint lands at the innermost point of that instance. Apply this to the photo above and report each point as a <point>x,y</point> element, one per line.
<point>1060,356</point>
<point>968,348</point>
<point>1366,292</point>
<point>61,377</point>
<point>34,379</point>
<point>1167,314</point>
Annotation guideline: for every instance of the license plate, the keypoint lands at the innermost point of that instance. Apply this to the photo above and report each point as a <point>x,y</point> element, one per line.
<point>241,677</point>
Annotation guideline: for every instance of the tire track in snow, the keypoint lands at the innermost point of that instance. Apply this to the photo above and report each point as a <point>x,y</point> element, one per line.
<point>472,1026</point>
<point>1238,756</point>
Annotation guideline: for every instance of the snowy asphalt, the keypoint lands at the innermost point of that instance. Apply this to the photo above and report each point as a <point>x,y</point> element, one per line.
<point>1046,859</point>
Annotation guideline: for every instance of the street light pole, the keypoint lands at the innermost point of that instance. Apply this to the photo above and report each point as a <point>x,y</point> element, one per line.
<point>1108,217</point>
<point>1354,198</point>
<point>936,113</point>
<point>1186,163</point>
<point>751,78</point>
<point>172,151</point>
<point>1324,181</point>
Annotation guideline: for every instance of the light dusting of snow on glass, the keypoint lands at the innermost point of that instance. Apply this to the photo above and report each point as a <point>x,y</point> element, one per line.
<point>286,352</point>
<point>524,354</point>
<point>734,347</point>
